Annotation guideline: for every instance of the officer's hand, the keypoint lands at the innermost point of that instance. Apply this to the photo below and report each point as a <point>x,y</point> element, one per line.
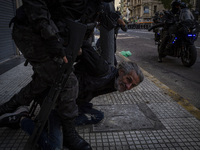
<point>80,52</point>
<point>55,48</point>
<point>65,59</point>
<point>124,28</point>
<point>121,22</point>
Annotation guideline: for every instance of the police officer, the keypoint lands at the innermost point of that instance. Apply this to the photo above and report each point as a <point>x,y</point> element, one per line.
<point>186,14</point>
<point>157,19</point>
<point>41,35</point>
<point>170,18</point>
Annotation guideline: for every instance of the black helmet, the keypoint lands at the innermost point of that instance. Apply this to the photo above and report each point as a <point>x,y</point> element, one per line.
<point>161,13</point>
<point>183,5</point>
<point>175,3</point>
<point>157,13</point>
<point>175,6</point>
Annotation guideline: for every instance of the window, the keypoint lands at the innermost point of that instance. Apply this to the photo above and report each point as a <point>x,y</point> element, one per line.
<point>155,9</point>
<point>146,9</point>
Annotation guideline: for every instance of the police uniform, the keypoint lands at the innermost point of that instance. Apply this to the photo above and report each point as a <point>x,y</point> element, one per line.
<point>41,35</point>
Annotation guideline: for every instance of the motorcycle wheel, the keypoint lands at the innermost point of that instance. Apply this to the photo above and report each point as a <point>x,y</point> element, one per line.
<point>189,55</point>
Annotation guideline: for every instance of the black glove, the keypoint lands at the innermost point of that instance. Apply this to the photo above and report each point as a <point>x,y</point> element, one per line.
<point>53,42</point>
<point>54,47</point>
<point>124,28</point>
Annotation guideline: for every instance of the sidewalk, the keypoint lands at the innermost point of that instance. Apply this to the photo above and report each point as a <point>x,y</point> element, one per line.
<point>145,118</point>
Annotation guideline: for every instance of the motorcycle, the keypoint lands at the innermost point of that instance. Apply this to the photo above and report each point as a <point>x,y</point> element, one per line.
<point>158,33</point>
<point>181,43</point>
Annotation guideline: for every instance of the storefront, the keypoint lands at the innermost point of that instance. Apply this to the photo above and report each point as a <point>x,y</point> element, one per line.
<point>7,46</point>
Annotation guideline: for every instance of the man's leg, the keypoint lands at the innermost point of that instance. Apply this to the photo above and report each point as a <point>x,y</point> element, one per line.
<point>67,111</point>
<point>55,129</point>
<point>50,138</point>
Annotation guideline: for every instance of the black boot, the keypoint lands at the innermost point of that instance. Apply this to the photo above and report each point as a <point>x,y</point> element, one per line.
<point>159,58</point>
<point>9,106</point>
<point>71,139</point>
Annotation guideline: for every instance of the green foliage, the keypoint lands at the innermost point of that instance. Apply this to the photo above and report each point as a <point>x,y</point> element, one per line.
<point>167,3</point>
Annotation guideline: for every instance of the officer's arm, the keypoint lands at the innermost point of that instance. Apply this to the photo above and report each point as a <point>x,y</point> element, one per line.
<point>37,12</point>
<point>40,18</point>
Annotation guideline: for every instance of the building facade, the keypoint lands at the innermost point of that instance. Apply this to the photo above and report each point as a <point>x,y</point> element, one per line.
<point>142,11</point>
<point>134,11</point>
<point>139,11</point>
<point>117,4</point>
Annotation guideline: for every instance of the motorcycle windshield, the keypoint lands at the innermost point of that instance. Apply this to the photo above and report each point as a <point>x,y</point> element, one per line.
<point>186,15</point>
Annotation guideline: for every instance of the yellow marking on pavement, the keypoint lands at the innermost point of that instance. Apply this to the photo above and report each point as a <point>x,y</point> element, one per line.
<point>175,96</point>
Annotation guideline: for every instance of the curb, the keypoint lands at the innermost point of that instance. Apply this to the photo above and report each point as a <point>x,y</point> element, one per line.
<point>175,96</point>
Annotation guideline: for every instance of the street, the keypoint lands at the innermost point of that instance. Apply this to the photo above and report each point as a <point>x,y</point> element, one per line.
<point>183,80</point>
<point>144,117</point>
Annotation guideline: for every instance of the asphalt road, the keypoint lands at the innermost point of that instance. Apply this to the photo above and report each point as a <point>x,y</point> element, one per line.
<point>183,80</point>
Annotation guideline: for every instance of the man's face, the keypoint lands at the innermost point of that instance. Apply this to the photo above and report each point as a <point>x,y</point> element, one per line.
<point>126,81</point>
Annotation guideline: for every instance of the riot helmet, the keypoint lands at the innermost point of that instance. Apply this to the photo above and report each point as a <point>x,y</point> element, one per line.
<point>175,4</point>
<point>156,13</point>
<point>183,5</point>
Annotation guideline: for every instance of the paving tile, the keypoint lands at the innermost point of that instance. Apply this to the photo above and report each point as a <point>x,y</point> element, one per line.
<point>146,104</point>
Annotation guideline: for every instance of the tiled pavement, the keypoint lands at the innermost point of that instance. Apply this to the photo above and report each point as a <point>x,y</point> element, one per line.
<point>144,118</point>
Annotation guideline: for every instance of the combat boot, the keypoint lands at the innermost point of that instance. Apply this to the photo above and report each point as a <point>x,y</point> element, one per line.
<point>71,139</point>
<point>9,106</point>
<point>159,58</point>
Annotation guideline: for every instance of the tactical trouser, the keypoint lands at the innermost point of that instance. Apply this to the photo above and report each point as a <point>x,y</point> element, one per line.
<point>165,37</point>
<point>45,70</point>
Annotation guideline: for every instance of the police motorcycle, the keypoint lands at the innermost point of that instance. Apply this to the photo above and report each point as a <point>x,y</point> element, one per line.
<point>181,43</point>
